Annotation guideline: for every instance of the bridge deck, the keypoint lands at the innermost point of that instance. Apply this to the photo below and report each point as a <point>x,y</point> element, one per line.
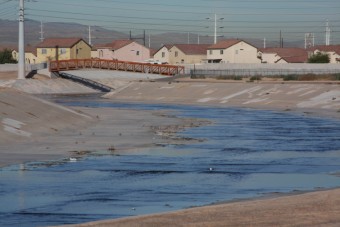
<point>74,64</point>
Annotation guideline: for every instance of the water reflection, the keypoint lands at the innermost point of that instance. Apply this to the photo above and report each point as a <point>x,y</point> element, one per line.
<point>247,153</point>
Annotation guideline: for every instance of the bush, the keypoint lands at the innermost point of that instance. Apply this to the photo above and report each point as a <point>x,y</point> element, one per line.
<point>6,57</point>
<point>290,77</point>
<point>319,58</point>
<point>193,76</point>
<point>253,78</point>
<point>229,78</point>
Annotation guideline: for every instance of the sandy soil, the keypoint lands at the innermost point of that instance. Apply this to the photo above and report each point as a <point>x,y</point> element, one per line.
<point>310,209</point>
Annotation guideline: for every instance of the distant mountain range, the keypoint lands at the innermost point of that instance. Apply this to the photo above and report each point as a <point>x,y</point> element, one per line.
<point>9,35</point>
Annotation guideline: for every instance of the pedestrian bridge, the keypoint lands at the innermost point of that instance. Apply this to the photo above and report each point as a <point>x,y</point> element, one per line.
<point>74,64</point>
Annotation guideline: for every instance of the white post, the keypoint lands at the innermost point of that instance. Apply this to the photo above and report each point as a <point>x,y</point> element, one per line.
<point>41,31</point>
<point>21,65</point>
<point>90,38</point>
<point>328,33</point>
<point>264,43</point>
<point>215,33</point>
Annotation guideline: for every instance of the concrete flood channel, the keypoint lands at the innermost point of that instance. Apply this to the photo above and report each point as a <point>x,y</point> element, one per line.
<point>246,153</point>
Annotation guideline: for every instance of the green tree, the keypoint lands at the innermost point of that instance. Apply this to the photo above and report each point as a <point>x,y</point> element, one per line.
<point>319,58</point>
<point>6,57</point>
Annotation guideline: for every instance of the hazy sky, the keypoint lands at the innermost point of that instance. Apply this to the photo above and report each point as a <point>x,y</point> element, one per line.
<point>241,18</point>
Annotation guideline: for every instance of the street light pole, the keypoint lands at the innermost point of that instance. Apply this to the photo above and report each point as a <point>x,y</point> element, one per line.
<point>215,33</point>
<point>21,48</point>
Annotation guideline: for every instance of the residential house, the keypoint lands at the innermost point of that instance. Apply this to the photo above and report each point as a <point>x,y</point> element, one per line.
<point>283,55</point>
<point>63,49</point>
<point>188,53</point>
<point>30,55</point>
<point>123,50</point>
<point>232,51</point>
<point>333,52</point>
<point>163,54</point>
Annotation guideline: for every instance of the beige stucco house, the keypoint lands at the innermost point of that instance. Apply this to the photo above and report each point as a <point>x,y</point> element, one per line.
<point>282,55</point>
<point>163,54</point>
<point>333,52</point>
<point>30,55</point>
<point>123,50</point>
<point>232,51</point>
<point>187,53</point>
<point>63,49</point>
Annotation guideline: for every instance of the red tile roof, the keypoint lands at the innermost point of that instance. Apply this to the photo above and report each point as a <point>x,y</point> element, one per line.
<point>60,42</point>
<point>115,45</point>
<point>224,44</point>
<point>290,55</point>
<point>193,49</point>
<point>330,48</point>
<point>167,46</point>
<point>8,47</point>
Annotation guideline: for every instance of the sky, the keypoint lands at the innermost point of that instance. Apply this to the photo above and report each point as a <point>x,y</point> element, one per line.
<point>234,18</point>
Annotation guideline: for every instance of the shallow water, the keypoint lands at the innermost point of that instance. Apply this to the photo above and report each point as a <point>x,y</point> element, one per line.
<point>247,153</point>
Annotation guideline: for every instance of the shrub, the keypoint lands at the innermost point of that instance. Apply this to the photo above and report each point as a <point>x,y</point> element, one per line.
<point>229,78</point>
<point>6,57</point>
<point>319,58</point>
<point>253,78</point>
<point>290,77</point>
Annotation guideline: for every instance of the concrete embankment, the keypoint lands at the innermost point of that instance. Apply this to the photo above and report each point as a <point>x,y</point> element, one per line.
<point>24,116</point>
<point>321,98</point>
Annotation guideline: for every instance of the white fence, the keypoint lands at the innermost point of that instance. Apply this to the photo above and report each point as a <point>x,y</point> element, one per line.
<point>14,67</point>
<point>260,69</point>
<point>8,67</point>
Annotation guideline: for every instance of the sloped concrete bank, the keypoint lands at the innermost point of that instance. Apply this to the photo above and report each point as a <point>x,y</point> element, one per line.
<point>318,98</point>
<point>32,129</point>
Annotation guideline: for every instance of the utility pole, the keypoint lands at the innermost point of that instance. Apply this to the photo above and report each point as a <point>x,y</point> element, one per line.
<point>41,32</point>
<point>21,47</point>
<point>188,38</point>
<point>328,34</point>
<point>198,39</point>
<point>90,36</point>
<point>264,43</point>
<point>149,41</point>
<point>215,32</point>
<point>280,39</point>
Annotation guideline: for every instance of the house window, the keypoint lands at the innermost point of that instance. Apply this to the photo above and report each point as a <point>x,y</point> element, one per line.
<point>77,51</point>
<point>210,52</point>
<point>182,61</point>
<point>43,51</point>
<point>62,50</point>
<point>176,53</point>
<point>101,54</point>
<point>236,51</point>
<point>163,54</point>
<point>221,51</point>
<point>137,53</point>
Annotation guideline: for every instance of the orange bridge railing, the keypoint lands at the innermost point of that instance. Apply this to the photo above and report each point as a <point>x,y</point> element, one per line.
<point>74,64</point>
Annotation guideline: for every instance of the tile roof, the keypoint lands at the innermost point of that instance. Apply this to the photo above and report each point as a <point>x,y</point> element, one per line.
<point>60,42</point>
<point>116,44</point>
<point>193,49</point>
<point>8,47</point>
<point>224,44</point>
<point>167,46</point>
<point>290,55</point>
<point>330,48</point>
